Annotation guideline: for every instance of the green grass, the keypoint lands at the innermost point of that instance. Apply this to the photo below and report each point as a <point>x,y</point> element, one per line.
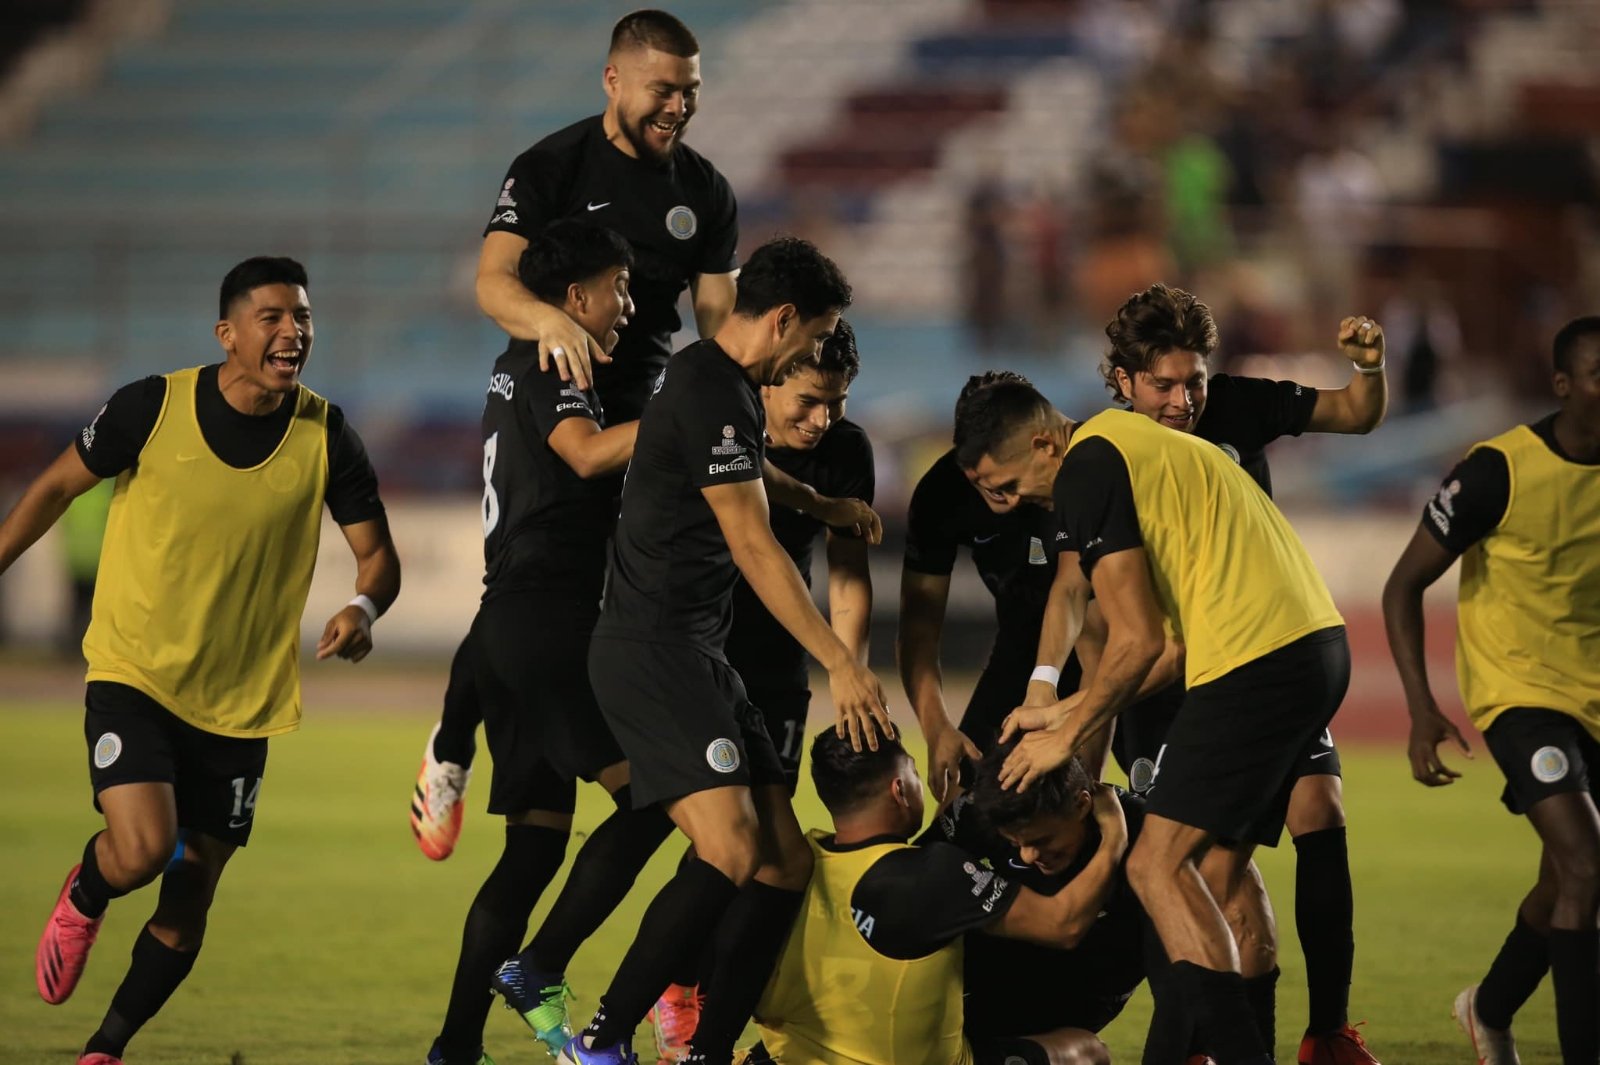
<point>333,939</point>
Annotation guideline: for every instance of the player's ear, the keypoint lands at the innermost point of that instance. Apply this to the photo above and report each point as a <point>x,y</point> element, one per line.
<point>1124,383</point>
<point>578,296</point>
<point>1562,383</point>
<point>224,333</point>
<point>611,81</point>
<point>1083,805</point>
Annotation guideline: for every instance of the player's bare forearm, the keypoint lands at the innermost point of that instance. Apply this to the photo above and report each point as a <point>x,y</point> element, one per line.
<point>1064,612</point>
<point>849,593</point>
<point>785,491</point>
<point>1063,919</point>
<point>1358,407</point>
<point>377,562</point>
<point>713,296</point>
<point>42,504</point>
<point>1422,563</point>
<point>922,605</point>
<point>504,298</point>
<point>1134,637</point>
<point>591,451</point>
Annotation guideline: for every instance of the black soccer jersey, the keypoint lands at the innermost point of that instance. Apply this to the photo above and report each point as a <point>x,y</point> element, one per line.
<point>672,573</point>
<point>1245,414</point>
<point>680,218</point>
<point>112,442</point>
<point>544,527</point>
<point>762,650</point>
<point>1010,550</point>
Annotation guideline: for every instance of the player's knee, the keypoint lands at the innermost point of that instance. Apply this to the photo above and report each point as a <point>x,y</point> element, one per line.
<point>790,868</point>
<point>1148,868</point>
<point>1315,805</point>
<point>138,855</point>
<point>1578,875</point>
<point>735,852</point>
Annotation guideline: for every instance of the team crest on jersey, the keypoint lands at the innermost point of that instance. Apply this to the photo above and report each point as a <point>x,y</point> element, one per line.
<point>1232,452</point>
<point>1036,555</point>
<point>107,749</point>
<point>1142,776</point>
<point>723,755</point>
<point>506,199</point>
<point>682,223</point>
<point>1550,764</point>
<point>728,445</point>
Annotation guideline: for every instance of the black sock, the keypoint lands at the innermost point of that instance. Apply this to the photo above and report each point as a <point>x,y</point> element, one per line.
<point>456,741</point>
<point>601,875</point>
<point>1221,1012</point>
<point>155,974</point>
<point>1324,916</point>
<point>749,940</point>
<point>1574,958</point>
<point>1171,1037</point>
<point>495,925</point>
<point>1262,994</point>
<point>684,915</point>
<point>695,969</point>
<point>89,892</point>
<point>1523,960</point>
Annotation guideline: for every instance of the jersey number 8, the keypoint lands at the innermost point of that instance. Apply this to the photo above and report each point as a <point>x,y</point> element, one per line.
<point>491,502</point>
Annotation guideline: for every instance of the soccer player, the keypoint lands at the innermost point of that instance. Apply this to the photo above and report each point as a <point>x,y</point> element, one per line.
<point>1009,547</point>
<point>1522,512</point>
<point>1161,340</point>
<point>873,971</point>
<point>694,516</point>
<point>1169,529</point>
<point>810,439</point>
<point>221,475</point>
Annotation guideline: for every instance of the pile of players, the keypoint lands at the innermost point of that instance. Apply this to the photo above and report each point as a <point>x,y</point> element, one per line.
<point>1151,602</point>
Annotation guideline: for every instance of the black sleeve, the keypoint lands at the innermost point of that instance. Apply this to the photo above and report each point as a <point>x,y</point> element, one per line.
<point>112,442</point>
<point>530,196</point>
<point>912,902</point>
<point>1094,502</point>
<point>931,539</point>
<point>1470,502</point>
<point>857,478</point>
<point>721,248</point>
<point>1260,410</point>
<point>549,401</point>
<point>352,492</point>
<point>720,431</point>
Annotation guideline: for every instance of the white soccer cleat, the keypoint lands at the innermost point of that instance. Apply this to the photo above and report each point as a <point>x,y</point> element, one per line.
<point>1494,1046</point>
<point>436,803</point>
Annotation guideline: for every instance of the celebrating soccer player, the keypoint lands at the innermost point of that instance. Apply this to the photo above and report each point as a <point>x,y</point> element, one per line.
<point>1522,512</point>
<point>222,473</point>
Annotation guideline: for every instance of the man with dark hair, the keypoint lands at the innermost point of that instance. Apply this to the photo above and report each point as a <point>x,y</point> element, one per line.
<point>897,918</point>
<point>1172,532</point>
<point>1010,549</point>
<point>222,473</point>
<point>1522,512</point>
<point>694,518</point>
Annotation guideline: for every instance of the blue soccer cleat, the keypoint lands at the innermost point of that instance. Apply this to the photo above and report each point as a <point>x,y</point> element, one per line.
<point>575,1053</point>
<point>542,1009</point>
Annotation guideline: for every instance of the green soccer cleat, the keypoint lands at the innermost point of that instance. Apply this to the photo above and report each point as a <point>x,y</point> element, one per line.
<point>544,1010</point>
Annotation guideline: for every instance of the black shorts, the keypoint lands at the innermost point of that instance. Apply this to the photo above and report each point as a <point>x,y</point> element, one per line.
<point>1140,739</point>
<point>1016,988</point>
<point>133,739</point>
<point>544,728</point>
<point>1542,753</point>
<point>1001,688</point>
<point>682,718</point>
<point>785,711</point>
<point>1230,756</point>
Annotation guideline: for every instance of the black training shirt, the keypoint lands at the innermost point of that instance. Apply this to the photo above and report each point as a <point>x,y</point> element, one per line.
<point>1245,414</point>
<point>1010,550</point>
<point>672,573</point>
<point>1095,513</point>
<point>544,527</point>
<point>679,217</point>
<point>840,466</point>
<point>112,442</point>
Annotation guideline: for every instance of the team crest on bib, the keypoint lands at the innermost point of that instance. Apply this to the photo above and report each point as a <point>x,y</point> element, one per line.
<point>1142,777</point>
<point>283,474</point>
<point>723,755</point>
<point>682,223</point>
<point>1232,452</point>
<point>107,749</point>
<point>1550,764</point>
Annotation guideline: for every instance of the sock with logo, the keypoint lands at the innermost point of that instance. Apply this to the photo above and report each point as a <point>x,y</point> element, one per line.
<point>1523,960</point>
<point>155,974</point>
<point>1324,917</point>
<point>89,892</point>
<point>749,941</point>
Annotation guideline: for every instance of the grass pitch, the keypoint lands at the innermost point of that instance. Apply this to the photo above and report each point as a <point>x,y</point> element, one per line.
<point>333,939</point>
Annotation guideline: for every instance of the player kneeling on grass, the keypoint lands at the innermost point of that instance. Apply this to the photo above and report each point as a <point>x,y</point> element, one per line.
<point>222,472</point>
<point>892,915</point>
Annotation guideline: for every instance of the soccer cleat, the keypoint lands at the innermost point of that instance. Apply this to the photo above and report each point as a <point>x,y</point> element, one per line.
<point>576,1053</point>
<point>64,947</point>
<point>1494,1046</point>
<point>436,803</point>
<point>1344,1047</point>
<point>97,1058</point>
<point>436,1057</point>
<point>544,1009</point>
<point>1199,1059</point>
<point>674,1018</point>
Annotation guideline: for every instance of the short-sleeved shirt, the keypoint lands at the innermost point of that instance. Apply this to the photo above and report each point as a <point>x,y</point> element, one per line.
<point>840,466</point>
<point>112,442</point>
<point>545,528</point>
<point>1245,414</point>
<point>1009,550</point>
<point>1095,513</point>
<point>672,572</point>
<point>680,218</point>
<point>1473,498</point>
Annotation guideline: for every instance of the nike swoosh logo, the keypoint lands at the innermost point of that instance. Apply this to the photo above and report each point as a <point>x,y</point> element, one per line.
<point>985,539</point>
<point>597,206</point>
<point>1019,865</point>
<point>1321,754</point>
<point>238,824</point>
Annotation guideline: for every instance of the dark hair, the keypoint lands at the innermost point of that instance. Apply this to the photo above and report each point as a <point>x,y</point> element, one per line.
<point>995,414</point>
<point>255,272</point>
<point>1150,324</point>
<point>790,270</point>
<point>649,28</point>
<point>1571,335</point>
<point>838,356</point>
<point>976,383</point>
<point>1049,795</point>
<point>566,252</point>
<point>846,778</point>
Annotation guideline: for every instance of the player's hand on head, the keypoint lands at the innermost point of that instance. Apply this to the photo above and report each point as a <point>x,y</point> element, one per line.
<point>945,752</point>
<point>1361,340</point>
<point>348,634</point>
<point>1036,754</point>
<point>852,514</point>
<point>568,348</point>
<point>1041,693</point>
<point>858,701</point>
<point>1429,729</point>
<point>1032,718</point>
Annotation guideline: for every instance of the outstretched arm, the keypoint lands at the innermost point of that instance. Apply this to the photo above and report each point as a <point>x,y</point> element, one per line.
<point>923,597</point>
<point>43,503</point>
<point>348,633</point>
<point>1423,562</point>
<point>849,592</point>
<point>852,514</point>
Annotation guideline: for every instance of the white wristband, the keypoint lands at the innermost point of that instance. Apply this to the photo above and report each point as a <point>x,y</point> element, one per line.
<point>1049,674</point>
<point>368,607</point>
<point>1372,369</point>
